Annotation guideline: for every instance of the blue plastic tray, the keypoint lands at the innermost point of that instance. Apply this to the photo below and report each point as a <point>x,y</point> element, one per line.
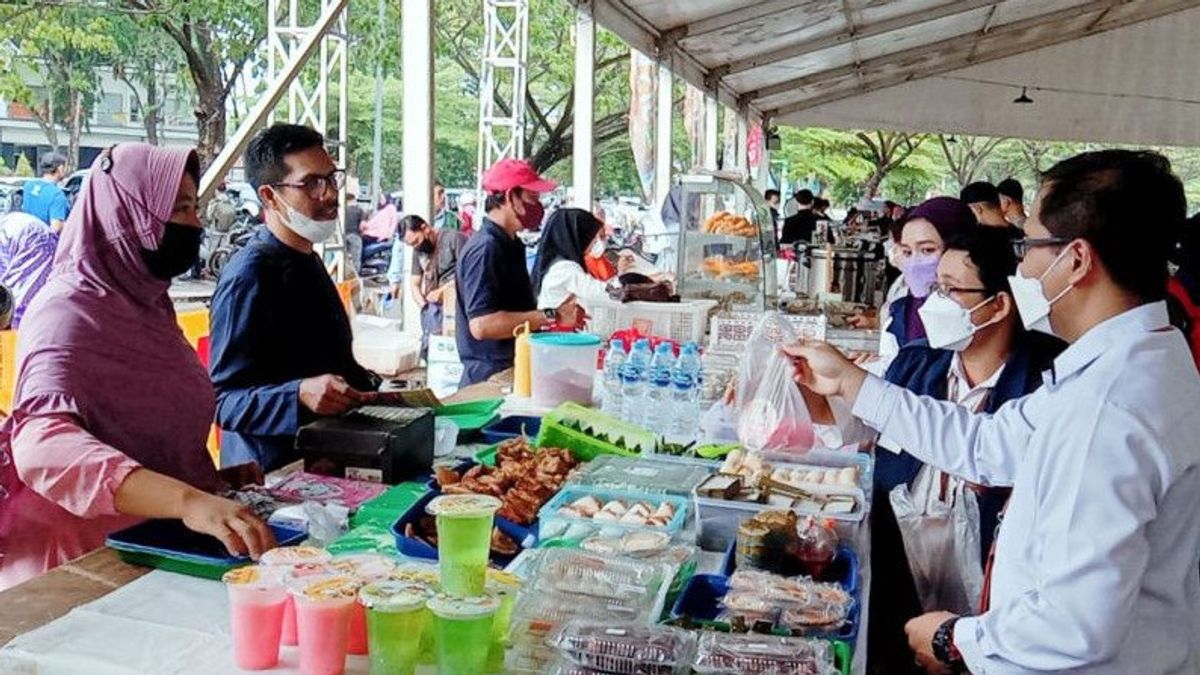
<point>510,427</point>
<point>416,548</point>
<point>549,513</point>
<point>700,604</point>
<point>168,544</point>
<point>846,559</point>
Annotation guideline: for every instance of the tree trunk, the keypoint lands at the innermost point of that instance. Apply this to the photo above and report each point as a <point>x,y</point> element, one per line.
<point>150,111</point>
<point>76,130</point>
<point>210,121</point>
<point>871,188</point>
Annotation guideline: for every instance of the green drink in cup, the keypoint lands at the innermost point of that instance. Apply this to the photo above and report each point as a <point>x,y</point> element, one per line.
<point>463,630</point>
<point>395,622</point>
<point>464,528</point>
<point>504,587</point>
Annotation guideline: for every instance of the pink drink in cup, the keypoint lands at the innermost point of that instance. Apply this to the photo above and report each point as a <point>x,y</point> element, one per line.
<point>323,608</point>
<point>366,567</point>
<point>256,599</point>
<point>305,560</point>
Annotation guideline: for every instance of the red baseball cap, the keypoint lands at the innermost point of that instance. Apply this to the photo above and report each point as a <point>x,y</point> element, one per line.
<point>513,173</point>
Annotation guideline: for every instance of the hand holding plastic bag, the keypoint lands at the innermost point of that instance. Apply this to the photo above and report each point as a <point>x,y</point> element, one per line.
<point>771,412</point>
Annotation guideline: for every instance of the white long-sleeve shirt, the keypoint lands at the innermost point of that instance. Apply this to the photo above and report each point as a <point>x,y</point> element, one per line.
<point>1096,567</point>
<point>565,278</point>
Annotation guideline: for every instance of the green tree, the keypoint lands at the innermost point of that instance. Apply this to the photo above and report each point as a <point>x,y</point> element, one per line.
<point>148,65</point>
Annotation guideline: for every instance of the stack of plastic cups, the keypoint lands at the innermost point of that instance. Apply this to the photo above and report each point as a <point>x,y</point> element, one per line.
<point>366,568</point>
<point>425,575</point>
<point>503,586</point>
<point>395,624</point>
<point>463,615</point>
<point>323,608</point>
<point>256,600</point>
<point>294,560</point>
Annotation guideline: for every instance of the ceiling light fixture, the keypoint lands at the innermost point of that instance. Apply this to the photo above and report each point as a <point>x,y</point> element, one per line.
<point>1023,98</point>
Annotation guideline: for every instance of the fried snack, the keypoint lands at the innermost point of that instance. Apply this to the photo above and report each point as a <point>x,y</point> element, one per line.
<point>522,479</point>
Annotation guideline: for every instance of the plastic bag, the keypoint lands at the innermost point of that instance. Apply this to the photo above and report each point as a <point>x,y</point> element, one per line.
<point>771,413</point>
<point>939,523</point>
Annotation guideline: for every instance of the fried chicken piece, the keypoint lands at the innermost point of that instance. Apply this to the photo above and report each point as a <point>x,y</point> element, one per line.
<point>446,476</point>
<point>503,544</point>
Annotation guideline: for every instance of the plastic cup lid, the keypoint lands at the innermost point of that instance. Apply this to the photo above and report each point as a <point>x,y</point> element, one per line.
<point>394,596</point>
<point>504,582</point>
<point>451,607</point>
<point>291,555</point>
<point>366,566</point>
<point>252,576</point>
<point>416,573</point>
<point>463,506</point>
<point>566,339</point>
<point>326,587</point>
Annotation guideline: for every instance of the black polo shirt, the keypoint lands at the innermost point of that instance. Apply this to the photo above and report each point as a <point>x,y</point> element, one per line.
<point>491,278</point>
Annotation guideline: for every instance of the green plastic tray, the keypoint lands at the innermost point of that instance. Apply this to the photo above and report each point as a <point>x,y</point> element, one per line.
<point>389,506</point>
<point>471,415</point>
<point>555,434</point>
<point>487,456</point>
<point>191,569</point>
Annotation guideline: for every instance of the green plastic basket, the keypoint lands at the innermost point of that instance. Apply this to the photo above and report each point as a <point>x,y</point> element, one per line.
<point>841,656</point>
<point>555,433</point>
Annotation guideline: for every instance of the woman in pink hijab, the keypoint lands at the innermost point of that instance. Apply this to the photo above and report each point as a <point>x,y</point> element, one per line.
<point>112,406</point>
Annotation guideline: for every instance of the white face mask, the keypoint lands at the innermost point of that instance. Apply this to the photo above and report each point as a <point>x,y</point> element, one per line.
<point>1031,300</point>
<point>947,324</point>
<point>596,249</point>
<point>316,231</point>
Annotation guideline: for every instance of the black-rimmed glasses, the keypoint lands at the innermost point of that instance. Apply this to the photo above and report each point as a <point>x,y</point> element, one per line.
<point>1022,246</point>
<point>315,186</point>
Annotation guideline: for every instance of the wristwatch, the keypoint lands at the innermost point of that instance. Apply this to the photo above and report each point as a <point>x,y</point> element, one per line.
<point>943,647</point>
<point>550,314</point>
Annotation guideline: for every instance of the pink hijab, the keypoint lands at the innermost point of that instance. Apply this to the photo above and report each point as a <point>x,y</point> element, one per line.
<point>100,341</point>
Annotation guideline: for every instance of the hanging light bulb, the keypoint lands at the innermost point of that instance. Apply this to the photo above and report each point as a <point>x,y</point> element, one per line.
<point>1023,98</point>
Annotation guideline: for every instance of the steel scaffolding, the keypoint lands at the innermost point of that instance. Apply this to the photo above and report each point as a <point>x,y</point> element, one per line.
<point>502,85</point>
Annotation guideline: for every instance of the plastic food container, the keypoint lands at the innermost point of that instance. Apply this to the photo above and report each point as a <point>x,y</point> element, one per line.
<point>626,649</point>
<point>730,654</point>
<point>557,520</point>
<point>563,367</point>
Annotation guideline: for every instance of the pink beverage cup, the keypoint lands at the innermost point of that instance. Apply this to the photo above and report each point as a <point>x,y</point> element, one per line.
<point>299,560</point>
<point>288,634</point>
<point>356,637</point>
<point>323,609</point>
<point>366,567</point>
<point>255,617</point>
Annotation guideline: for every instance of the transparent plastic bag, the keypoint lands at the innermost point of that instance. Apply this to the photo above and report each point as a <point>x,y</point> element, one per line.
<point>626,649</point>
<point>771,413</point>
<point>939,523</point>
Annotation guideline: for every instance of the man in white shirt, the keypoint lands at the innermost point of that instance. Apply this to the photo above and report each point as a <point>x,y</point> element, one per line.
<point>1095,567</point>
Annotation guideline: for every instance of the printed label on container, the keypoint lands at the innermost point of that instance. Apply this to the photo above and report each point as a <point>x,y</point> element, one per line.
<point>362,473</point>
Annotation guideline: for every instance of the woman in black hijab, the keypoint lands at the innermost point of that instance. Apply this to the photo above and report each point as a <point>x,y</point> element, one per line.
<point>567,237</point>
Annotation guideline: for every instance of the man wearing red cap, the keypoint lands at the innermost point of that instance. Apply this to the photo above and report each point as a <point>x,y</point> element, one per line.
<point>495,295</point>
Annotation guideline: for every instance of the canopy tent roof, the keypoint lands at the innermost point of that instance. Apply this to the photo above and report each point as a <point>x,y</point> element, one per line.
<point>1111,70</point>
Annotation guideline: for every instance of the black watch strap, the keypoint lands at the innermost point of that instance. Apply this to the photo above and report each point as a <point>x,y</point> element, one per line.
<point>550,314</point>
<point>944,649</point>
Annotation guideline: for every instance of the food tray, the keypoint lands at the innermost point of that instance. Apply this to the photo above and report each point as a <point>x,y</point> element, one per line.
<point>731,330</point>
<point>417,548</point>
<point>700,605</point>
<point>626,649</point>
<point>168,545</point>
<point>590,575</point>
<point>511,427</point>
<point>844,567</point>
<point>555,433</point>
<point>553,524</point>
<point>682,321</point>
<point>753,654</point>
<point>651,475</point>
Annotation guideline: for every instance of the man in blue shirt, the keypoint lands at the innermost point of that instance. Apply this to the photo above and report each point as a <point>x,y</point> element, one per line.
<point>43,198</point>
<point>281,340</point>
<point>495,295</point>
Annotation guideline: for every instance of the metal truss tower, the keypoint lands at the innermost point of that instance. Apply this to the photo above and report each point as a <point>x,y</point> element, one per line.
<point>502,84</point>
<point>308,101</point>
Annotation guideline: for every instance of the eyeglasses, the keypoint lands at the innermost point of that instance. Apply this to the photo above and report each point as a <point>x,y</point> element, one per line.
<point>945,290</point>
<point>315,186</point>
<point>1022,246</point>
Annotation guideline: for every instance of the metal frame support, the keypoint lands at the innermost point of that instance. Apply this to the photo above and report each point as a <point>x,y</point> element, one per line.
<point>664,115</point>
<point>505,49</point>
<point>583,151</point>
<point>417,61</point>
<point>308,102</point>
<point>711,133</point>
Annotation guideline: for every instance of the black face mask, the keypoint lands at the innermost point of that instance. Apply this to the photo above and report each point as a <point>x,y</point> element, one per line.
<point>176,253</point>
<point>426,247</point>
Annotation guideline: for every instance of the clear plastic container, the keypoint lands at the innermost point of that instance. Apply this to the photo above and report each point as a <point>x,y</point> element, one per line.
<point>578,512</point>
<point>563,367</point>
<point>598,576</point>
<point>755,654</point>
<point>626,649</point>
<point>637,474</point>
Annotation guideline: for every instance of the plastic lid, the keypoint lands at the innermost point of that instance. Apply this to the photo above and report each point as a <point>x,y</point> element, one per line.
<point>394,596</point>
<point>450,607</point>
<point>366,566</point>
<point>326,587</point>
<point>566,339</point>
<point>463,506</point>
<point>502,583</point>
<point>291,555</point>
<point>664,348</point>
<point>416,573</point>
<point>253,576</point>
<point>617,343</point>
<point>642,342</point>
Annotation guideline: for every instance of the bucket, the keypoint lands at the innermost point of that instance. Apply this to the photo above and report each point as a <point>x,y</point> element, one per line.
<point>563,367</point>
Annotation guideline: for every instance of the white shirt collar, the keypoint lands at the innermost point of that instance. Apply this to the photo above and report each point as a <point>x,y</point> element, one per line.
<point>1145,318</point>
<point>959,371</point>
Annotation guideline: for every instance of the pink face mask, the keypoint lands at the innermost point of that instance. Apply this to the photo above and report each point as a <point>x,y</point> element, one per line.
<point>920,274</point>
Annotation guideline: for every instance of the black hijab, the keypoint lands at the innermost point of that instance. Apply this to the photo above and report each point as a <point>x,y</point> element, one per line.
<point>566,235</point>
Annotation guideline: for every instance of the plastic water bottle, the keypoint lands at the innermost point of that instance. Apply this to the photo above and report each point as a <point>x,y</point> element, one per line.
<point>633,382</point>
<point>613,360</point>
<point>686,380</point>
<point>658,390</point>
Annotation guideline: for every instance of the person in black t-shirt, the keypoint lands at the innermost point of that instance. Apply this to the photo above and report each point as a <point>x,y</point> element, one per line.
<point>984,200</point>
<point>800,227</point>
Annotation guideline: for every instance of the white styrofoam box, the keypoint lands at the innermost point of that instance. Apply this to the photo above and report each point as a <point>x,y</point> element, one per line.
<point>372,322</point>
<point>386,351</point>
<point>443,378</point>
<point>443,349</point>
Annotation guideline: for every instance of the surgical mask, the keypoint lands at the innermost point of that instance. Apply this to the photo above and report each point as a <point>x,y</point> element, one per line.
<point>315,231</point>
<point>532,218</point>
<point>920,273</point>
<point>948,324</point>
<point>176,253</point>
<point>596,249</point>
<point>1030,296</point>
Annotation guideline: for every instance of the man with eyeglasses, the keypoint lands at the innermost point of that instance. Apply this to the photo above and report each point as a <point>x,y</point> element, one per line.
<point>281,340</point>
<point>1095,561</point>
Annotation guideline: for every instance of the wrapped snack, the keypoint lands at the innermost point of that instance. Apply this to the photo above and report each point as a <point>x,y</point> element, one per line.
<point>753,654</point>
<point>818,614</point>
<point>749,608</point>
<point>583,573</point>
<point>626,649</point>
<point>817,546</point>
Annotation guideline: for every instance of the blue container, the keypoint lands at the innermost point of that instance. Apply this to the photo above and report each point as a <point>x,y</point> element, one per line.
<point>846,559</point>
<point>553,525</point>
<point>169,545</point>
<point>510,427</point>
<point>700,604</point>
<point>417,548</point>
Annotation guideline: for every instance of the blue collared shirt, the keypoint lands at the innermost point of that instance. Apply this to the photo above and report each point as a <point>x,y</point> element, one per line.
<point>1096,562</point>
